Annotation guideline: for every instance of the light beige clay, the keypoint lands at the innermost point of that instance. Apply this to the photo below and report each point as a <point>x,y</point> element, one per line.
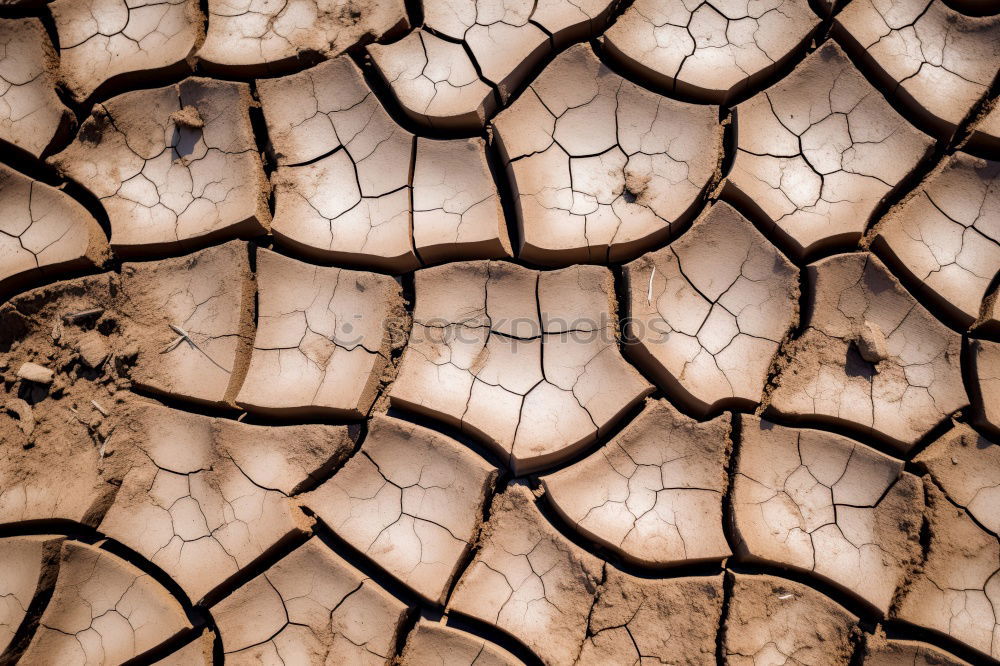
<point>204,498</point>
<point>526,361</point>
<point>986,357</point>
<point>191,318</point>
<point>250,37</point>
<point>433,643</point>
<point>311,607</point>
<point>528,580</point>
<point>323,338</point>
<point>947,236</point>
<point>654,493</point>
<point>818,151</point>
<point>823,503</point>
<point>355,188</point>
<point>43,231</point>
<point>707,313</point>
<point>600,168</point>
<point>708,51</point>
<point>931,57</point>
<point>411,500</point>
<point>472,55</point>
<point>434,81</point>
<point>173,166</point>
<point>103,611</point>
<point>955,590</point>
<point>103,39</point>
<point>20,580</point>
<point>456,209</point>
<point>823,375</point>
<point>341,188</point>
<point>32,116</point>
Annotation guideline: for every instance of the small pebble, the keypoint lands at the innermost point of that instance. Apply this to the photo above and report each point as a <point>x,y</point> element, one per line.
<point>33,372</point>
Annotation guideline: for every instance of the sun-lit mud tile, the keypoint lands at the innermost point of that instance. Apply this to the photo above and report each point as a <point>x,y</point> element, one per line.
<point>43,231</point>
<point>100,40</point>
<point>31,113</point>
<point>285,459</point>
<point>311,607</point>
<point>254,37</point>
<point>476,53</point>
<point>500,37</point>
<point>344,168</point>
<point>708,313</point>
<point>172,165</point>
<point>869,356</point>
<point>819,150</point>
<point>600,168</point>
<point>323,338</point>
<point>103,611</point>
<point>776,621</point>
<point>411,500</point>
<point>947,235</point>
<point>528,580</point>
<point>880,651</point>
<point>708,51</point>
<point>671,620</point>
<point>327,108</point>
<point>198,652</point>
<point>434,81</point>
<point>965,465</point>
<point>823,503</point>
<point>21,562</point>
<point>526,361</point>
<point>986,360</point>
<point>934,59</point>
<point>506,39</point>
<point>191,320</point>
<point>654,492</point>
<point>957,589</point>
<point>456,210</point>
<point>204,498</point>
<point>434,643</point>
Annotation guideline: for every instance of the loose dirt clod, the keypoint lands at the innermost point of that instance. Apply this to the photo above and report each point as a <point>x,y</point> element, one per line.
<point>33,372</point>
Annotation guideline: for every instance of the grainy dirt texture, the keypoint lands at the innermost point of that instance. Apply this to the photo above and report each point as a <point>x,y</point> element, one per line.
<point>500,332</point>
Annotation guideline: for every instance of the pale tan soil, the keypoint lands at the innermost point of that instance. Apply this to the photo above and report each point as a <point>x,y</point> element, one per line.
<point>497,332</point>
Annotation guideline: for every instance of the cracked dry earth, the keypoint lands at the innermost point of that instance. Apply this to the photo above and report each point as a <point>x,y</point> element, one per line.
<point>496,332</point>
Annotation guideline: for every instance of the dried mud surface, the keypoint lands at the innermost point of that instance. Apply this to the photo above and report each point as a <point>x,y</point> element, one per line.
<point>499,332</point>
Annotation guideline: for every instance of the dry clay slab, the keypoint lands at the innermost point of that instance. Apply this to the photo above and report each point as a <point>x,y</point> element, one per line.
<point>472,55</point>
<point>526,361</point>
<point>817,152</point>
<point>172,166</point>
<point>411,500</point>
<point>32,116</point>
<point>108,42</point>
<point>251,37</point>
<point>323,338</point>
<point>708,313</point>
<point>43,232</point>
<point>601,168</point>
<point>353,187</point>
<point>708,51</point>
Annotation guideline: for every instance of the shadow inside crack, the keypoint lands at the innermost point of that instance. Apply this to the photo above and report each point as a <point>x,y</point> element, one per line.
<point>856,366</point>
